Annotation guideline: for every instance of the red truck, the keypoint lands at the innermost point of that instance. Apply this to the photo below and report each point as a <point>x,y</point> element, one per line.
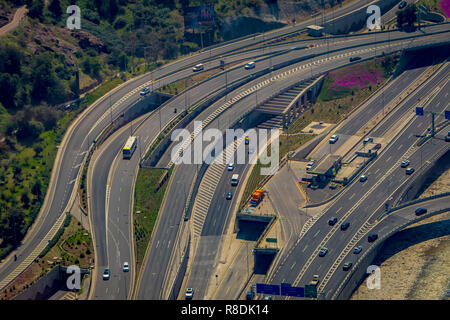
<point>257,197</point>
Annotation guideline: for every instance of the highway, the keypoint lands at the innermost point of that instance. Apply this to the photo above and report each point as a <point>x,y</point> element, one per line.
<point>88,125</point>
<point>76,143</point>
<point>349,127</point>
<point>382,183</point>
<point>155,270</point>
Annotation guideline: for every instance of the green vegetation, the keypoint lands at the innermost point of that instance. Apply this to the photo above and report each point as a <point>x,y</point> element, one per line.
<point>146,206</point>
<point>72,245</point>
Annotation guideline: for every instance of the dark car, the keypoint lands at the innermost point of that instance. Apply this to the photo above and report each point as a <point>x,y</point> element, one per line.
<point>410,170</point>
<point>372,237</point>
<point>402,4</point>
<point>229,196</point>
<point>420,211</point>
<point>357,249</point>
<point>323,252</point>
<point>332,221</point>
<point>250,295</point>
<point>347,266</point>
<point>345,225</point>
<point>354,59</point>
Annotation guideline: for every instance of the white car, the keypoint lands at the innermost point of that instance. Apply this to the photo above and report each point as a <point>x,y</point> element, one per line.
<point>106,274</point>
<point>230,167</point>
<point>405,163</point>
<point>333,138</point>
<point>250,65</point>
<point>144,91</point>
<point>189,293</point>
<point>126,267</point>
<point>198,67</point>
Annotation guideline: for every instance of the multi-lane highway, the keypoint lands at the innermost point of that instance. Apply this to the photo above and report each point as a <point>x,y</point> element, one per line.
<point>112,187</point>
<point>385,177</point>
<point>240,108</point>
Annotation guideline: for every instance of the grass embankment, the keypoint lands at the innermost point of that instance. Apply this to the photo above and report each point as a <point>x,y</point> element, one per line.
<point>72,246</point>
<point>147,202</point>
<point>341,92</point>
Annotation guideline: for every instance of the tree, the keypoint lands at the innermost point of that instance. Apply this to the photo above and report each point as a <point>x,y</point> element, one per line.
<point>36,189</point>
<point>36,9</point>
<point>12,223</point>
<point>8,88</point>
<point>55,8</point>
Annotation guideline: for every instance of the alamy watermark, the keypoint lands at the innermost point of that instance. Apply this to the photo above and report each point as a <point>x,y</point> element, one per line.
<point>374,21</point>
<point>192,151</point>
<point>374,278</point>
<point>74,20</point>
<point>74,280</point>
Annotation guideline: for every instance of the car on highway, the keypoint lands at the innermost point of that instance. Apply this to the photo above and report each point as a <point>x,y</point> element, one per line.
<point>333,139</point>
<point>267,298</point>
<point>332,221</point>
<point>372,237</point>
<point>126,267</point>
<point>230,167</point>
<point>229,196</point>
<point>347,266</point>
<point>310,165</point>
<point>404,163</point>
<point>345,225</point>
<point>410,170</point>
<point>357,249</point>
<point>363,178</point>
<point>352,59</point>
<point>106,274</point>
<point>198,67</point>
<point>144,91</point>
<point>323,252</point>
<point>250,65</point>
<point>420,211</point>
<point>402,4</point>
<point>315,281</point>
<point>367,140</point>
<point>447,138</point>
<point>189,293</point>
<point>250,295</point>
<point>247,140</point>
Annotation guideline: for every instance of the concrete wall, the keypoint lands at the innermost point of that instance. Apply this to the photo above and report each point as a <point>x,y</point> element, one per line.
<point>410,191</point>
<point>44,287</point>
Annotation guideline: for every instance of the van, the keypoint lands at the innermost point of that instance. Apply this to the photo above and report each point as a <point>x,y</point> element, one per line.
<point>234,179</point>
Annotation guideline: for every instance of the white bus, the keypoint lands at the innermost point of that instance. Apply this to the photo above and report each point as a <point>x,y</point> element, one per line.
<point>234,179</point>
<point>129,147</point>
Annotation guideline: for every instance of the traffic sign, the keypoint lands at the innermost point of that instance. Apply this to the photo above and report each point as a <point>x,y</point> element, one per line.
<point>267,289</point>
<point>288,290</point>
<point>310,291</point>
<point>419,111</point>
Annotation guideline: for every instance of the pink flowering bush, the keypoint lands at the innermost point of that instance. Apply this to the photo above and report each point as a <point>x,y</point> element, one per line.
<point>445,5</point>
